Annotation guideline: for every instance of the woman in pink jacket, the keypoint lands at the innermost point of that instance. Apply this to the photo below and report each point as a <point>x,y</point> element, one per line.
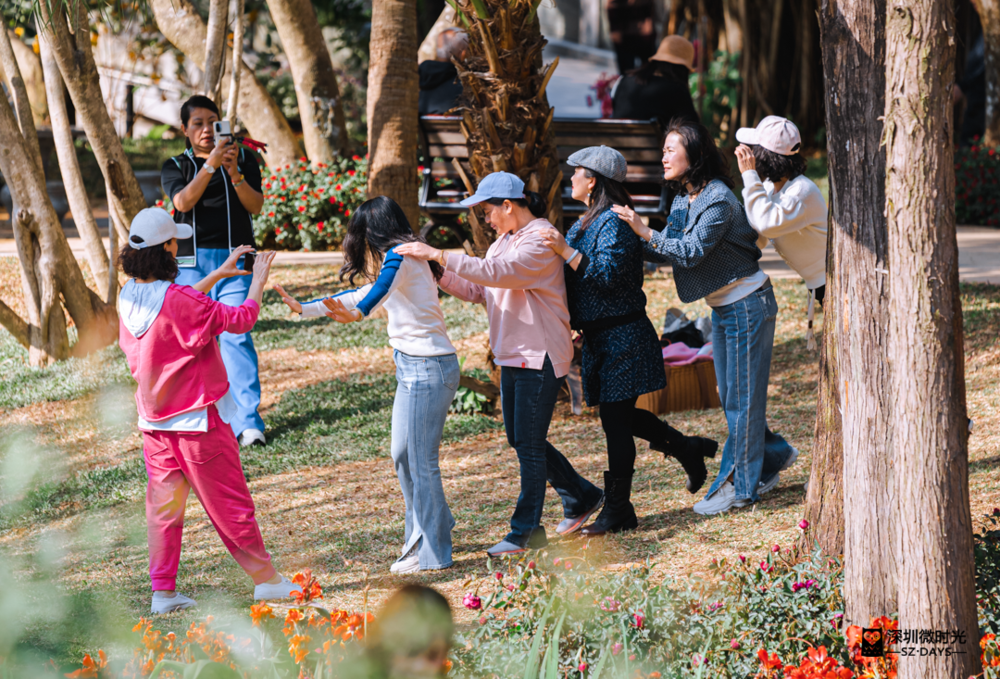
<point>168,333</point>
<point>521,282</point>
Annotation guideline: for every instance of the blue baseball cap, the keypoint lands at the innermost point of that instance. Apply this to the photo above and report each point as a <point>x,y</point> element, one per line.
<point>496,185</point>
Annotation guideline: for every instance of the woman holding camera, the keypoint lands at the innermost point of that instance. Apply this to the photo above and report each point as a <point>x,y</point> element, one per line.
<point>216,189</point>
<point>714,254</point>
<point>185,403</point>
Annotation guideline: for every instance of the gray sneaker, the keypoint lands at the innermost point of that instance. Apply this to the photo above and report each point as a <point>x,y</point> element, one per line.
<point>573,524</point>
<point>178,602</point>
<point>721,501</point>
<point>764,487</point>
<point>504,548</point>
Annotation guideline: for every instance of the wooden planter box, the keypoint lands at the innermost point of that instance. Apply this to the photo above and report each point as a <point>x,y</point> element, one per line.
<point>689,387</point>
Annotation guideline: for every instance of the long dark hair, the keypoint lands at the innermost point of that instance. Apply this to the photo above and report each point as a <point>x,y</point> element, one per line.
<point>663,69</point>
<point>775,167</point>
<point>533,201</point>
<point>705,161</point>
<point>197,101</point>
<point>377,225</point>
<point>606,192</point>
<point>153,262</point>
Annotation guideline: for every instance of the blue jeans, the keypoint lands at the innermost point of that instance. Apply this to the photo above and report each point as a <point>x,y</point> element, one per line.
<point>425,388</point>
<point>528,398</point>
<point>238,354</point>
<point>742,337</point>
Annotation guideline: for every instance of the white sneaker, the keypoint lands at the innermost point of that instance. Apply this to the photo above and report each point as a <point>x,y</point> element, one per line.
<point>164,604</point>
<point>721,501</point>
<point>765,487</point>
<point>252,437</point>
<point>410,563</point>
<point>281,590</point>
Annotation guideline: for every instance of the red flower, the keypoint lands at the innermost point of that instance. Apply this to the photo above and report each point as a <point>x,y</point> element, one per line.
<point>356,158</point>
<point>350,173</point>
<point>303,159</point>
<point>302,208</point>
<point>270,214</point>
<point>338,187</point>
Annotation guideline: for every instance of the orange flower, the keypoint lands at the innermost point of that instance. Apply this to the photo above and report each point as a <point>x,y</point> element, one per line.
<point>90,668</point>
<point>260,612</point>
<point>774,662</point>
<point>310,587</point>
<point>294,616</point>
<point>446,666</point>
<point>297,647</point>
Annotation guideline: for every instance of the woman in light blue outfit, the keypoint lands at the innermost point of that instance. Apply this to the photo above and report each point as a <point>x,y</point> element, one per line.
<point>427,370</point>
<point>714,255</point>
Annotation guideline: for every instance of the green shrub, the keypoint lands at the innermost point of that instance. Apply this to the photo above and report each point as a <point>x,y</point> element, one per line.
<point>307,206</point>
<point>977,185</point>
<point>986,548</point>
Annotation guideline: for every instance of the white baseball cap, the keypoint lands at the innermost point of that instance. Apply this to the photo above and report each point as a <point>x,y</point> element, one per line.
<point>153,226</point>
<point>773,133</point>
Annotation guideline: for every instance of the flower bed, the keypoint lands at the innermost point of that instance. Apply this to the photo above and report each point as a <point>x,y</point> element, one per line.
<point>977,185</point>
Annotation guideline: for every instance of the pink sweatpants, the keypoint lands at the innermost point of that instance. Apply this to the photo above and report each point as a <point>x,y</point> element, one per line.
<point>209,463</point>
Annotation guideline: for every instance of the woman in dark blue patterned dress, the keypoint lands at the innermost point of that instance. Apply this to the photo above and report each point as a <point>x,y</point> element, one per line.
<point>621,353</point>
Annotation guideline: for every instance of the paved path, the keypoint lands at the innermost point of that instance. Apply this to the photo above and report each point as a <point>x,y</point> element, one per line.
<point>978,256</point>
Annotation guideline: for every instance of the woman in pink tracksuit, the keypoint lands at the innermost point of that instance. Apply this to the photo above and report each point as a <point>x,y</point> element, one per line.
<point>168,333</point>
<point>521,282</point>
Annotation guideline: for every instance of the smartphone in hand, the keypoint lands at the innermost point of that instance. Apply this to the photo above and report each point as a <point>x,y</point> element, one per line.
<point>248,260</point>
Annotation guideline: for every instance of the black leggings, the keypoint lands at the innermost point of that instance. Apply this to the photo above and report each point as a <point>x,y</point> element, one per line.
<point>622,421</point>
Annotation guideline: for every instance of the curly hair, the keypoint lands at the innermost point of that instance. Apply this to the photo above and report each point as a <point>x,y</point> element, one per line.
<point>705,161</point>
<point>775,167</point>
<point>153,262</point>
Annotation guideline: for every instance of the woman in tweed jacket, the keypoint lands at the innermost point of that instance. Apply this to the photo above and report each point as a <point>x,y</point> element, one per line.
<point>714,255</point>
<point>621,352</point>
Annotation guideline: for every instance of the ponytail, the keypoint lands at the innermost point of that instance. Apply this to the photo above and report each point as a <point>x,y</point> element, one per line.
<point>534,203</point>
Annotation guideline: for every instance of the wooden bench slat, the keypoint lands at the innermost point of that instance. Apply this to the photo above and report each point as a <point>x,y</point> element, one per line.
<point>615,142</point>
<point>437,151</point>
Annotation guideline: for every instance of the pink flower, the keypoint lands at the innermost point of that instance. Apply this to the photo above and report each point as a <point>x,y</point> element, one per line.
<point>499,575</point>
<point>569,566</point>
<point>803,524</point>
<point>766,567</point>
<point>472,602</point>
<point>734,644</point>
<point>531,565</point>
<point>640,620</point>
<point>482,620</point>
<point>743,559</point>
<point>696,660</point>
<point>775,549</point>
<point>510,588</point>
<point>616,649</point>
<point>556,561</point>
<point>610,605</point>
<point>582,667</point>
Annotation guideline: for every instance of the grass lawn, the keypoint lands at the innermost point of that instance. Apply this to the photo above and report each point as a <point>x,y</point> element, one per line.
<point>72,529</point>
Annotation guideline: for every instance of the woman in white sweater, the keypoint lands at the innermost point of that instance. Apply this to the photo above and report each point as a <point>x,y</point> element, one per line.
<point>427,370</point>
<point>782,204</point>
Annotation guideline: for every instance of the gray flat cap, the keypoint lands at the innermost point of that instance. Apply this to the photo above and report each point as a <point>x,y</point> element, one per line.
<point>603,160</point>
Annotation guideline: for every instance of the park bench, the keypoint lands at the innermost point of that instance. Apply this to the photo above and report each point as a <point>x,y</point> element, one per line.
<point>640,141</point>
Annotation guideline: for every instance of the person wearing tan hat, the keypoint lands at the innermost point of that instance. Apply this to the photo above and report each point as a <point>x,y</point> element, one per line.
<point>659,88</point>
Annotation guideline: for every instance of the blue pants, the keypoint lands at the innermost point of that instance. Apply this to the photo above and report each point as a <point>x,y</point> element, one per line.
<point>528,398</point>
<point>238,354</point>
<point>425,388</point>
<point>743,336</point>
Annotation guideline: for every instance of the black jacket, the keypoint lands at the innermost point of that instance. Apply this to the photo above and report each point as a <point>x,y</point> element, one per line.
<point>440,87</point>
<point>662,98</point>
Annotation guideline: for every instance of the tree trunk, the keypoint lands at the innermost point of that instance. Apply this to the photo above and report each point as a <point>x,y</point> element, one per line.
<point>71,48</point>
<point>31,73</point>
<point>934,537</point>
<point>853,46</point>
<point>180,24</point>
<point>323,128</point>
<point>215,50</point>
<point>48,268</point>
<point>69,167</point>
<point>508,120</point>
<point>19,93</point>
<point>989,16</point>
<point>392,105</point>
<point>234,74</point>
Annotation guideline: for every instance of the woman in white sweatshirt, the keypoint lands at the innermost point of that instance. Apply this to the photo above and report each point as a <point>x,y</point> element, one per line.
<point>427,370</point>
<point>782,204</point>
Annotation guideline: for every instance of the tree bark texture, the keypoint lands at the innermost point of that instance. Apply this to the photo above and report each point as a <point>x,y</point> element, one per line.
<point>232,102</point>
<point>69,37</point>
<point>48,268</point>
<point>69,167</point>
<point>31,73</point>
<point>323,128</point>
<point>392,105</point>
<point>853,49</point>
<point>25,119</point>
<point>989,16</point>
<point>934,533</point>
<point>507,118</point>
<point>215,50</point>
<point>180,24</point>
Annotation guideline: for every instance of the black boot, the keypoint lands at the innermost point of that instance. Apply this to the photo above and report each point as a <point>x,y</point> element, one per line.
<point>691,452</point>
<point>618,513</point>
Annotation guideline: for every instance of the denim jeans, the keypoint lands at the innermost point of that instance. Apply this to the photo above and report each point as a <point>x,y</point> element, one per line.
<point>743,336</point>
<point>528,398</point>
<point>238,353</point>
<point>776,452</point>
<point>425,388</point>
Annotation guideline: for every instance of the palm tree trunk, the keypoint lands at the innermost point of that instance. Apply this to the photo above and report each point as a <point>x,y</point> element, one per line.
<point>323,127</point>
<point>392,105</point>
